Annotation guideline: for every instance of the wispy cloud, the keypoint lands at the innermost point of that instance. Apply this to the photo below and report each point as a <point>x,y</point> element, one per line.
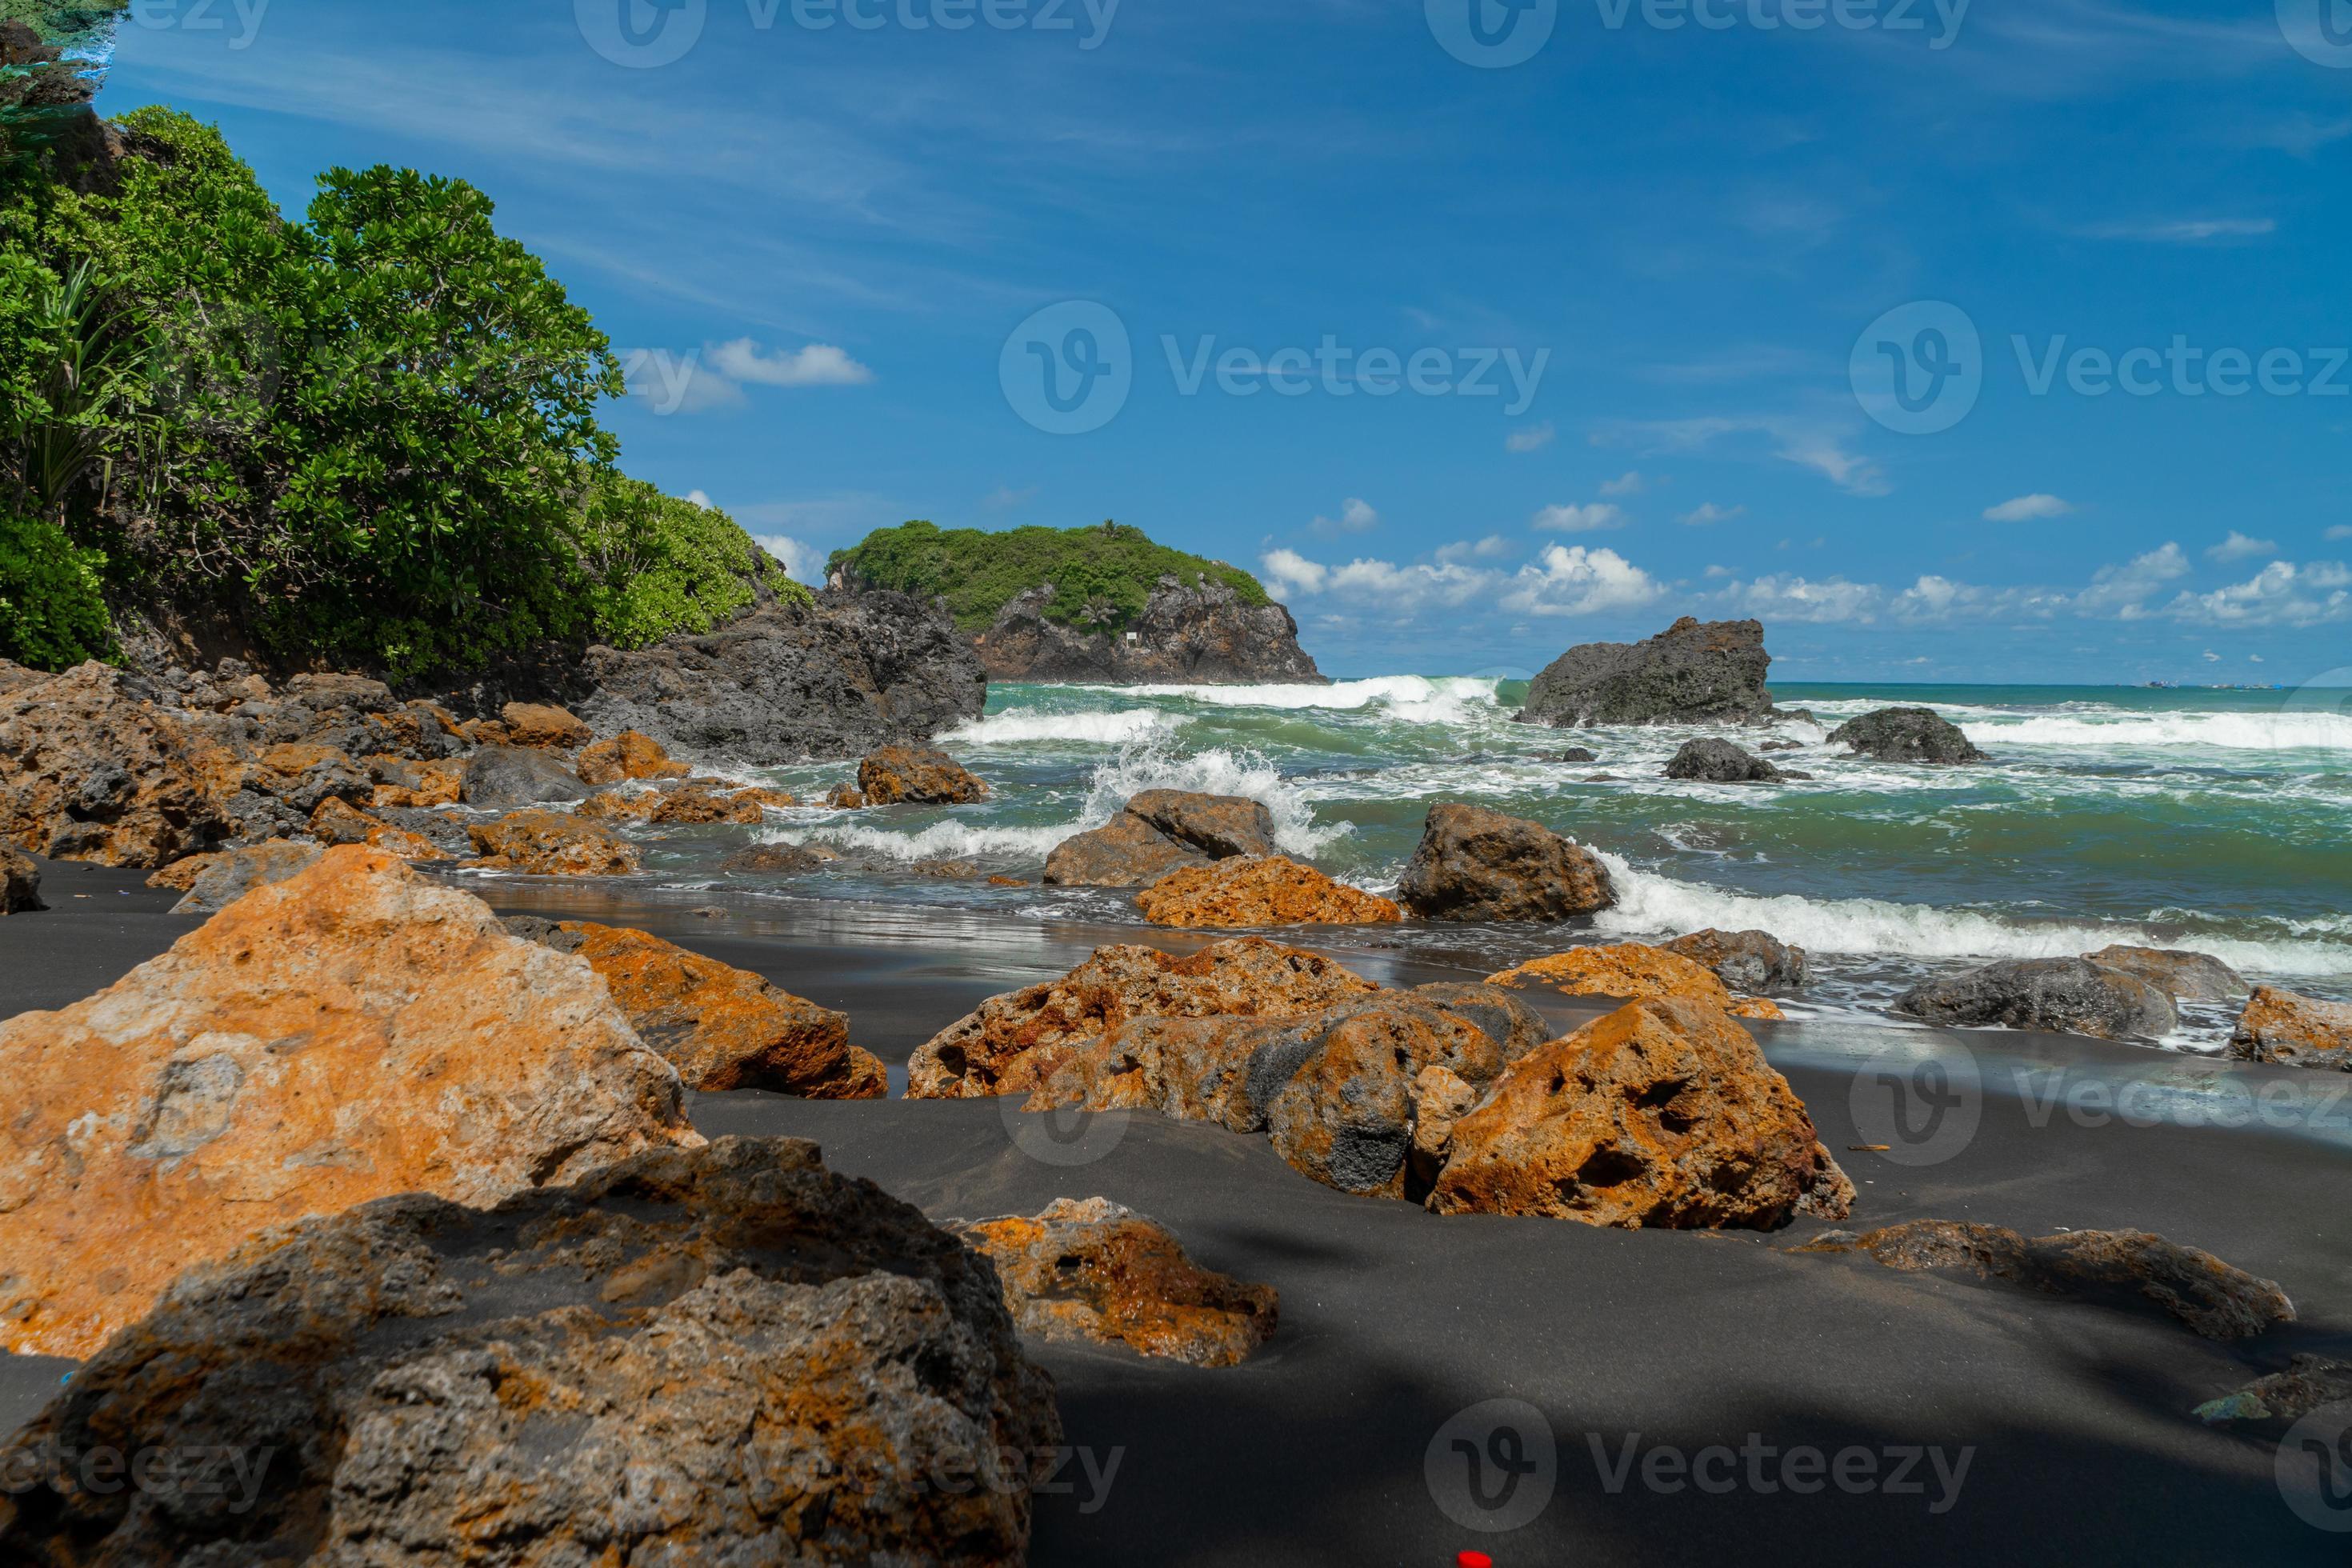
<point>1818,445</point>
<point>817,364</point>
<point>2029,508</point>
<point>1532,438</point>
<point>1590,519</point>
<point>1356,515</point>
<point>2242,547</point>
<point>2184,231</point>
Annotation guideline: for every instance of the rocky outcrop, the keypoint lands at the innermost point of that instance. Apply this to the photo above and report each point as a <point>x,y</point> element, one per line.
<point>917,776</point>
<point>2184,976</point>
<point>20,884</point>
<point>1094,1273</point>
<point>1693,673</point>
<point>723,1355</point>
<point>2059,995</point>
<point>1663,1115</point>
<point>508,778</point>
<point>1160,832</point>
<point>722,1028</point>
<point>780,859</point>
<point>550,844</point>
<point>347,1034</point>
<point>1631,971</point>
<point>223,878</point>
<point>2283,1029</point>
<point>1014,1041</point>
<point>628,758</point>
<point>1199,633</point>
<point>2130,1269</point>
<point>1259,892</point>
<point>91,769</point>
<point>2309,1382</point>
<point>542,725</point>
<point>1720,761</point>
<point>690,804</point>
<point>1479,865</point>
<point>1909,735</point>
<point>1756,963</point>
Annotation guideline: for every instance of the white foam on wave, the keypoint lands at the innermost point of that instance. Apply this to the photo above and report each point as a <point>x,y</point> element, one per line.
<point>1028,726</point>
<point>1217,771</point>
<point>1652,905</point>
<point>1415,699</point>
<point>2305,731</point>
<point>941,841</point>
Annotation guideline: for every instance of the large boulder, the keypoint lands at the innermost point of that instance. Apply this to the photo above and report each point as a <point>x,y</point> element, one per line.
<point>1221,827</point>
<point>1754,961</point>
<point>1161,831</point>
<point>720,1355</point>
<point>1012,1042</point>
<point>1631,971</point>
<point>1663,1114</point>
<point>2059,995</point>
<point>508,778</point>
<point>1720,761</point>
<point>683,806</point>
<point>2283,1029</point>
<point>1259,892</point>
<point>350,1033</point>
<point>1092,1272</point>
<point>550,844</point>
<point>543,725</point>
<point>2184,976</point>
<point>1479,865</point>
<point>1909,735</point>
<point>627,757</point>
<point>1690,674</point>
<point>917,776</point>
<point>90,769</point>
<point>723,1028</point>
<point>223,878</point>
<point>2117,1267</point>
<point>20,883</point>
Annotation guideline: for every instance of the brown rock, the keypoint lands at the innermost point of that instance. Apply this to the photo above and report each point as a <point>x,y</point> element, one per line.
<point>1006,883</point>
<point>1755,962</point>
<point>1479,865</point>
<point>780,859</point>
<point>2282,1398</point>
<point>722,1028</point>
<point>347,1034</point>
<point>947,870</point>
<point>2118,1267</point>
<point>336,822</point>
<point>90,771</point>
<point>988,1052</point>
<point>691,805</point>
<point>549,844</point>
<point>1127,853</point>
<point>913,775</point>
<point>544,727</point>
<point>1260,892</point>
<point>845,799</point>
<point>723,1355</point>
<point>2184,976</point>
<point>1221,827</point>
<point>305,776</point>
<point>1662,1115</point>
<point>1094,1273</point>
<point>2286,1030</point>
<point>225,877</point>
<point>627,757</point>
<point>1628,972</point>
<point>20,884</point>
<point>181,875</point>
<point>405,786</point>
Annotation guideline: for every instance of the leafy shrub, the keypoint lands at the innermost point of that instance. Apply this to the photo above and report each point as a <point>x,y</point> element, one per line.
<point>659,566</point>
<point>1102,577</point>
<point>52,609</point>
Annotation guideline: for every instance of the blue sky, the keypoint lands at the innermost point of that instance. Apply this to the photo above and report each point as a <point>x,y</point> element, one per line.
<point>1660,280</point>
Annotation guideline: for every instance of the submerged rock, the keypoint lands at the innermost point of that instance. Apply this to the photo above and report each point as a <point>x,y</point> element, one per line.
<point>1663,1115</point>
<point>1094,1273</point>
<point>352,1032</point>
<point>20,884</point>
<point>2060,995</point>
<point>1259,891</point>
<point>508,778</point>
<point>780,859</point>
<point>1909,735</point>
<point>1720,761</point>
<point>2119,1267</point>
<point>722,1028</point>
<point>2283,1029</point>
<point>917,776</point>
<point>1693,673</point>
<point>2184,976</point>
<point>721,1355</point>
<point>1473,864</point>
<point>1754,961</point>
<point>550,844</point>
<point>1631,971</point>
<point>1013,1041</point>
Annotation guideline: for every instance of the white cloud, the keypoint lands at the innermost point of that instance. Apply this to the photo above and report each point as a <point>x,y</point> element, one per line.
<point>1808,443</point>
<point>2342,530</point>
<point>1788,598</point>
<point>2239,547</point>
<point>1569,580</point>
<point>805,563</point>
<point>1625,485</point>
<point>1533,438</point>
<point>699,498</point>
<point>2281,595</point>
<point>817,364</point>
<point>1580,519</point>
<point>2212,658</point>
<point>1709,514</point>
<point>2028,509</point>
<point>1288,571</point>
<point>2122,590</point>
<point>1493,547</point>
<point>1356,515</point>
<point>2185,231</point>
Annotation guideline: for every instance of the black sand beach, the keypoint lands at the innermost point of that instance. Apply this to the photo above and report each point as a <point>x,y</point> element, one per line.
<point>1985,1424</point>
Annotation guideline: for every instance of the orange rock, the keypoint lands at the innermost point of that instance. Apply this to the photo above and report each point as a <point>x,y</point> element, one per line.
<point>722,1028</point>
<point>549,844</point>
<point>415,787</point>
<point>1663,1115</point>
<point>845,799</point>
<point>692,806</point>
<point>1631,971</point>
<point>350,1034</point>
<point>915,775</point>
<point>1006,883</point>
<point>1760,1009</point>
<point>628,756</point>
<point>543,726</point>
<point>337,823</point>
<point>90,771</point>
<point>1260,892</point>
<point>1015,1040</point>
<point>1092,1272</point>
<point>2287,1030</point>
<point>181,874</point>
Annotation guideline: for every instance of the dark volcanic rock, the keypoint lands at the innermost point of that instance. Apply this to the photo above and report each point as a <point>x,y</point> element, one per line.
<point>1196,634</point>
<point>1694,673</point>
<point>779,860</point>
<point>1752,963</point>
<point>720,1355</point>
<point>1580,754</point>
<point>92,767</point>
<point>2309,1382</point>
<point>20,884</point>
<point>1219,825</point>
<point>1909,735</point>
<point>2184,976</point>
<point>508,778</point>
<point>2117,1267</point>
<point>1720,761</point>
<point>2061,995</point>
<point>1479,864</point>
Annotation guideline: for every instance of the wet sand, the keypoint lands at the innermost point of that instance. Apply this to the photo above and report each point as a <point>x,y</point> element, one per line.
<point>2074,1419</point>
